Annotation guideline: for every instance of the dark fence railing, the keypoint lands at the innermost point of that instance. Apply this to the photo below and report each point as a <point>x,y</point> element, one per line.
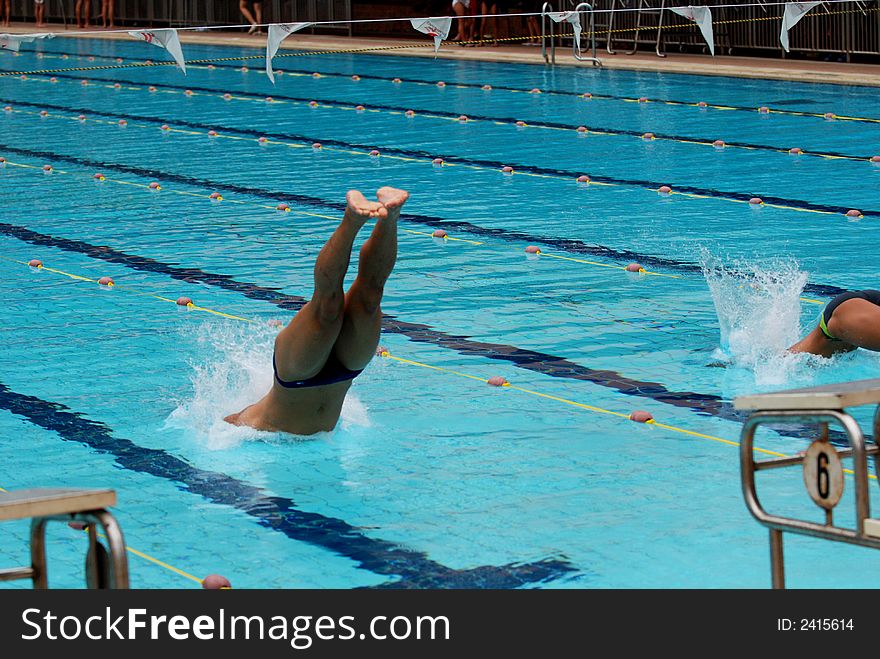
<point>188,13</point>
<point>837,30</point>
<point>846,29</point>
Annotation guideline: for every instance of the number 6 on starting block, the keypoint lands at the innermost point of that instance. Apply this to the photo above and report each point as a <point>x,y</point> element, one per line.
<point>823,474</point>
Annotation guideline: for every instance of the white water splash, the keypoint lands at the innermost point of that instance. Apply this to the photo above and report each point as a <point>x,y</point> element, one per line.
<point>758,308</point>
<point>233,371</point>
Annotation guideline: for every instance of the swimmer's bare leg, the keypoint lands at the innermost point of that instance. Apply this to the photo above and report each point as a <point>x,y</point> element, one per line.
<point>857,322</point>
<point>817,343</point>
<point>302,348</point>
<point>362,321</point>
<point>249,17</point>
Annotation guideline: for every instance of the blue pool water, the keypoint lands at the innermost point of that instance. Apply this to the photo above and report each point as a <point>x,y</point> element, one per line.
<point>432,479</point>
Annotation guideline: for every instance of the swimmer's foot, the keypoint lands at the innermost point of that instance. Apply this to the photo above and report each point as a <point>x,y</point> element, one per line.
<point>393,200</point>
<point>359,209</point>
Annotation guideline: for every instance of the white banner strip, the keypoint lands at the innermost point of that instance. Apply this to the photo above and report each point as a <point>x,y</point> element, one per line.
<point>164,38</point>
<point>702,16</point>
<point>572,17</point>
<point>278,32</point>
<point>794,11</point>
<point>433,27</point>
<point>13,41</point>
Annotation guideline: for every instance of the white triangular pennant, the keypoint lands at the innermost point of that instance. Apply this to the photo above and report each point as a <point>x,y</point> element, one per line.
<point>572,17</point>
<point>433,27</point>
<point>278,32</point>
<point>13,41</point>
<point>164,38</point>
<point>794,11</point>
<point>702,16</point>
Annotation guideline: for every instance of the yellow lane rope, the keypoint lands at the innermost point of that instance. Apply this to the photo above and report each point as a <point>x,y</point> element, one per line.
<point>347,151</point>
<point>155,560</point>
<point>605,265</point>
<point>194,307</point>
<point>584,406</point>
<point>329,217</point>
<point>711,143</point>
<point>134,291</point>
<point>465,166</point>
<point>321,74</point>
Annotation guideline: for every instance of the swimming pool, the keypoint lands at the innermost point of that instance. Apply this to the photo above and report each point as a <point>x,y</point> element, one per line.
<point>434,478</point>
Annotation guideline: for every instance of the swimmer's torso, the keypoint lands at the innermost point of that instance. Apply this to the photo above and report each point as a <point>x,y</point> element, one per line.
<point>302,411</point>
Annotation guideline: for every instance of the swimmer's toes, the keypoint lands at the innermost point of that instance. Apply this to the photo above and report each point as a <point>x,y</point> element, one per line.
<point>392,198</point>
<point>358,208</point>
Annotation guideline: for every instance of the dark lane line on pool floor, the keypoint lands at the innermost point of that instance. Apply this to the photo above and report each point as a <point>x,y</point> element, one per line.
<point>563,244</point>
<point>530,360</point>
<point>275,512</point>
<point>503,120</point>
<point>473,85</point>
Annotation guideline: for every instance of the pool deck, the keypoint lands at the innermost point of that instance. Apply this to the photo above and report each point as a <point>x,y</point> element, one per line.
<point>738,67</point>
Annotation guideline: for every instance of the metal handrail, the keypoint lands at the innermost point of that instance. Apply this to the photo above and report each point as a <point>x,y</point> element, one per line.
<point>549,54</point>
<point>551,59</point>
<point>576,51</point>
<point>858,451</point>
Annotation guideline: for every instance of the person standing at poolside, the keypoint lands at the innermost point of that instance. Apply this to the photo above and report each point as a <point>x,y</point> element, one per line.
<point>334,336</point>
<point>850,321</point>
<point>108,14</point>
<point>6,10</point>
<point>82,11</point>
<point>464,25</point>
<point>255,18</point>
<point>40,12</point>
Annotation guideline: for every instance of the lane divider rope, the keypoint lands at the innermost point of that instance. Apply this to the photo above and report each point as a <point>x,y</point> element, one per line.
<point>464,85</point>
<point>541,253</point>
<point>133,290</point>
<point>590,408</point>
<point>455,118</point>
<point>551,175</point>
<point>311,214</point>
<point>194,307</point>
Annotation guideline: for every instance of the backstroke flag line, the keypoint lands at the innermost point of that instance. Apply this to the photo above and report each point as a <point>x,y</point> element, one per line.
<point>164,38</point>
<point>433,27</point>
<point>794,11</point>
<point>13,41</point>
<point>572,17</point>
<point>278,32</point>
<point>702,16</point>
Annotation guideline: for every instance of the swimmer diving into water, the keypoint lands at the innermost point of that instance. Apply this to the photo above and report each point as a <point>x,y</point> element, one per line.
<point>334,336</point>
<point>850,321</point>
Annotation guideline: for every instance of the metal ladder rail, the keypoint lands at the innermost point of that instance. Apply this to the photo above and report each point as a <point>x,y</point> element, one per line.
<point>576,51</point>
<point>643,8</point>
<point>549,55</point>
